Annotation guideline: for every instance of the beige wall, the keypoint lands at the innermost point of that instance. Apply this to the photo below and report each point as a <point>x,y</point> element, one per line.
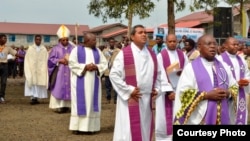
<point>21,39</point>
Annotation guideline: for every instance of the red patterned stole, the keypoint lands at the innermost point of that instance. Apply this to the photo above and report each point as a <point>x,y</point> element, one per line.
<point>133,106</point>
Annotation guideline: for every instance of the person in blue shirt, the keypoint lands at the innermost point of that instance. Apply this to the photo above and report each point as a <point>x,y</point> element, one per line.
<point>160,45</point>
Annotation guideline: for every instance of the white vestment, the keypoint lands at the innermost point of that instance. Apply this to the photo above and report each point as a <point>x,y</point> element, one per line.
<point>188,81</point>
<point>144,76</point>
<point>91,121</point>
<point>237,69</point>
<point>160,111</point>
<point>36,71</point>
<point>56,103</point>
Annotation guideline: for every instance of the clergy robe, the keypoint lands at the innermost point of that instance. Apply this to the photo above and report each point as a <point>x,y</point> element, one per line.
<point>188,81</point>
<point>144,70</point>
<point>90,121</point>
<point>160,110</point>
<point>60,93</point>
<point>194,53</point>
<point>236,69</point>
<point>36,71</point>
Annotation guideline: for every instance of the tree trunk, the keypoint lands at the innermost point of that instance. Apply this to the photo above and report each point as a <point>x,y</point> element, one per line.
<point>171,17</point>
<point>241,18</point>
<point>130,19</point>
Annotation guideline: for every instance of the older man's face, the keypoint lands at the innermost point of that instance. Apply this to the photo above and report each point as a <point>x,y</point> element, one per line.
<point>208,48</point>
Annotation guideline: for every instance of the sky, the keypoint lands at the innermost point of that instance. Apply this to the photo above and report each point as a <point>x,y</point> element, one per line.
<point>71,12</point>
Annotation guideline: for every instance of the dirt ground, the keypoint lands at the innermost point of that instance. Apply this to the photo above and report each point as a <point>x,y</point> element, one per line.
<point>20,121</point>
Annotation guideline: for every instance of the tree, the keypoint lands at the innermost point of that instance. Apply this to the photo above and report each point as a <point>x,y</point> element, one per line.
<point>171,17</point>
<point>117,9</point>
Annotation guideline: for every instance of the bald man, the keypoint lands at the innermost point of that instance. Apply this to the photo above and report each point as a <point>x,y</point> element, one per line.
<point>241,73</point>
<point>169,57</point>
<point>87,64</point>
<point>206,88</point>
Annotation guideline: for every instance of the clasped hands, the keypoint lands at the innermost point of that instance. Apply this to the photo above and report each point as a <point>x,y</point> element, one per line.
<point>64,60</point>
<point>91,67</point>
<point>217,94</point>
<point>135,95</point>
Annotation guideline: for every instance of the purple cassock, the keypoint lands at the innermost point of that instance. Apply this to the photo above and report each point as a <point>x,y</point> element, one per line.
<point>21,52</point>
<point>61,90</point>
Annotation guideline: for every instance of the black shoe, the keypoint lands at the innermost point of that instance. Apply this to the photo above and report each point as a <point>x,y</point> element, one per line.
<point>34,101</point>
<point>66,109</point>
<point>59,110</point>
<point>62,110</point>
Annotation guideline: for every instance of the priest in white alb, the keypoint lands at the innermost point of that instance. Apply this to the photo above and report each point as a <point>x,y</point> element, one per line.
<point>87,64</point>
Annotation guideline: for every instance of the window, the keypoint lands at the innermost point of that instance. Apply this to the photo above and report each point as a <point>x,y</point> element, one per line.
<point>12,38</point>
<point>80,39</point>
<point>30,38</point>
<point>150,36</point>
<point>46,38</point>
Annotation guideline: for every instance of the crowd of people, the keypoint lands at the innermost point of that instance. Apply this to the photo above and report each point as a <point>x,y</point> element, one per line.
<point>183,82</point>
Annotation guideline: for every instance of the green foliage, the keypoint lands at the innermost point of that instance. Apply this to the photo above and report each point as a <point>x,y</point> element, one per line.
<point>196,4</point>
<point>233,2</point>
<point>180,5</point>
<point>116,9</point>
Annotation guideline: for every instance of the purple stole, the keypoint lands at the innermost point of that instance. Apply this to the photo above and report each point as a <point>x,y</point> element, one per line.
<point>130,78</point>
<point>80,92</point>
<point>202,78</point>
<point>169,103</point>
<point>241,110</point>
